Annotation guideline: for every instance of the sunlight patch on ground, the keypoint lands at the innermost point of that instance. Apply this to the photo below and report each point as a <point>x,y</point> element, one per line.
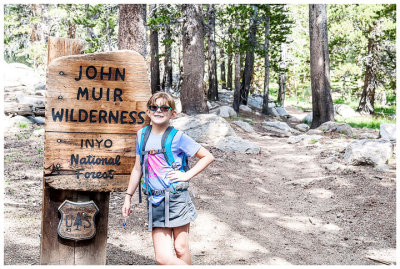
<point>343,182</point>
<point>23,241</point>
<point>320,193</point>
<point>278,261</point>
<point>208,224</point>
<point>205,197</point>
<point>256,205</point>
<point>306,224</point>
<point>128,240</point>
<point>306,181</point>
<point>268,214</point>
<point>262,190</point>
<point>383,254</point>
<point>229,193</point>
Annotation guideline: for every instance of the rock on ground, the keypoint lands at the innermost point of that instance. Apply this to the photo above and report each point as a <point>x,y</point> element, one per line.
<point>279,127</point>
<point>314,132</point>
<point>304,137</point>
<point>302,127</point>
<point>237,144</point>
<point>331,126</point>
<point>245,108</point>
<point>387,131</point>
<point>226,112</point>
<point>204,128</point>
<point>19,74</point>
<point>244,125</point>
<point>345,111</point>
<point>307,118</point>
<point>255,101</point>
<point>281,111</point>
<point>367,151</point>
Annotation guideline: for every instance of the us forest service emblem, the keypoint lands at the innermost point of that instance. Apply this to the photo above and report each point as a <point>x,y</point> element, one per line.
<point>77,220</point>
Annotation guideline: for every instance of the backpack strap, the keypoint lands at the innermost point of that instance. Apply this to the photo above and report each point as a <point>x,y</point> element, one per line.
<point>166,143</point>
<point>143,157</point>
<point>143,141</point>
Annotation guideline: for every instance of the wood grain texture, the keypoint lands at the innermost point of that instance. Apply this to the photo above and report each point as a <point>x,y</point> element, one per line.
<point>59,251</point>
<point>92,98</point>
<point>63,46</point>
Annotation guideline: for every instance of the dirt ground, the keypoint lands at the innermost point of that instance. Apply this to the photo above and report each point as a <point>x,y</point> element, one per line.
<point>281,206</point>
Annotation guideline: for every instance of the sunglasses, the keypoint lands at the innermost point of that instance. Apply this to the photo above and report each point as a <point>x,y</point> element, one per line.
<point>162,108</point>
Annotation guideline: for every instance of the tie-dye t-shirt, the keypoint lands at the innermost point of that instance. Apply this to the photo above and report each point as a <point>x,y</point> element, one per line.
<point>158,165</point>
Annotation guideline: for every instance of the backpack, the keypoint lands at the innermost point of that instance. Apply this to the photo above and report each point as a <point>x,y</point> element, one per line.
<point>166,142</point>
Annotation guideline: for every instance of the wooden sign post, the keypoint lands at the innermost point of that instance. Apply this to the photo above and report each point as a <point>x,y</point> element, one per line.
<point>95,104</point>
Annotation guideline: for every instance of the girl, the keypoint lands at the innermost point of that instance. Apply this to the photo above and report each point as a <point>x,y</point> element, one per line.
<point>170,208</point>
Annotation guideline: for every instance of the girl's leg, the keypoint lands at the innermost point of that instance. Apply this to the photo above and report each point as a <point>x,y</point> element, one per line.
<point>181,244</point>
<point>162,241</point>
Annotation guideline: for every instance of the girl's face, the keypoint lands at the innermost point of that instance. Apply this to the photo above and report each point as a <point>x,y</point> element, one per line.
<point>159,117</point>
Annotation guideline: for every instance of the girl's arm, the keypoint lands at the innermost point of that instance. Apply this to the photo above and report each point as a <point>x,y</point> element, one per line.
<point>134,181</point>
<point>205,159</point>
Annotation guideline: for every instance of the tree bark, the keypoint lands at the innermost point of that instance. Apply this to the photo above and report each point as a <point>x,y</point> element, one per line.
<point>35,34</point>
<point>167,78</point>
<point>229,79</point>
<point>132,28</point>
<point>154,60</point>
<point>266,70</point>
<point>282,76</point>
<point>249,62</point>
<point>213,87</point>
<point>236,94</point>
<point>192,95</point>
<point>367,100</point>
<point>322,104</point>
<point>223,73</point>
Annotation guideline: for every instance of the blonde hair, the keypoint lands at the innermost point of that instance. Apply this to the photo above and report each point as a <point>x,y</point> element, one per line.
<point>163,95</point>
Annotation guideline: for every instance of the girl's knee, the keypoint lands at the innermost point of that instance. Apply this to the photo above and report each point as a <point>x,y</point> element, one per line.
<point>163,259</point>
<point>181,248</point>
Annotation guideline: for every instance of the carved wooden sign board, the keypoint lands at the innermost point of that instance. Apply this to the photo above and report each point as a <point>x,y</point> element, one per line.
<point>95,104</point>
<point>77,220</point>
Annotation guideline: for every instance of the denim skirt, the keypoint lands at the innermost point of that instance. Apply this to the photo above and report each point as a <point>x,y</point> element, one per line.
<point>181,210</point>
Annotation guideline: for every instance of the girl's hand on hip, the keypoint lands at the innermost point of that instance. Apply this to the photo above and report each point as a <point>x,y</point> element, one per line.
<point>175,176</point>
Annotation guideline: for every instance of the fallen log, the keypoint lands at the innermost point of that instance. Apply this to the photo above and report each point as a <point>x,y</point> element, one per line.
<point>18,109</point>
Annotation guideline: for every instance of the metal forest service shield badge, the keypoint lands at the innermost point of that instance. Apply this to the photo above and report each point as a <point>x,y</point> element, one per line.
<point>77,220</point>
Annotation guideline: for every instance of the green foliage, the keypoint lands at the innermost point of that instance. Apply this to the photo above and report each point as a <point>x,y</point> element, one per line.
<point>349,29</point>
<point>97,24</point>
<point>162,21</point>
<point>372,122</point>
<point>23,124</point>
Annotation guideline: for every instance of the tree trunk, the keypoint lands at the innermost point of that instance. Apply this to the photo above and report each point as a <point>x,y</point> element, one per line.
<point>132,28</point>
<point>249,62</point>
<point>180,59</point>
<point>167,78</point>
<point>229,80</point>
<point>230,73</point>
<point>154,60</point>
<point>213,87</point>
<point>367,100</point>
<point>223,73</point>
<point>322,104</point>
<point>192,95</point>
<point>282,76</point>
<point>35,34</point>
<point>266,70</point>
<point>236,94</point>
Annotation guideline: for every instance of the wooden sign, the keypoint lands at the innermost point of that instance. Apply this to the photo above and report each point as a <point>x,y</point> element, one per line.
<point>95,104</point>
<point>77,220</point>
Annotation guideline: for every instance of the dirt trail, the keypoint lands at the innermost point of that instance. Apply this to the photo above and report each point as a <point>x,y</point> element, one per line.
<point>277,207</point>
